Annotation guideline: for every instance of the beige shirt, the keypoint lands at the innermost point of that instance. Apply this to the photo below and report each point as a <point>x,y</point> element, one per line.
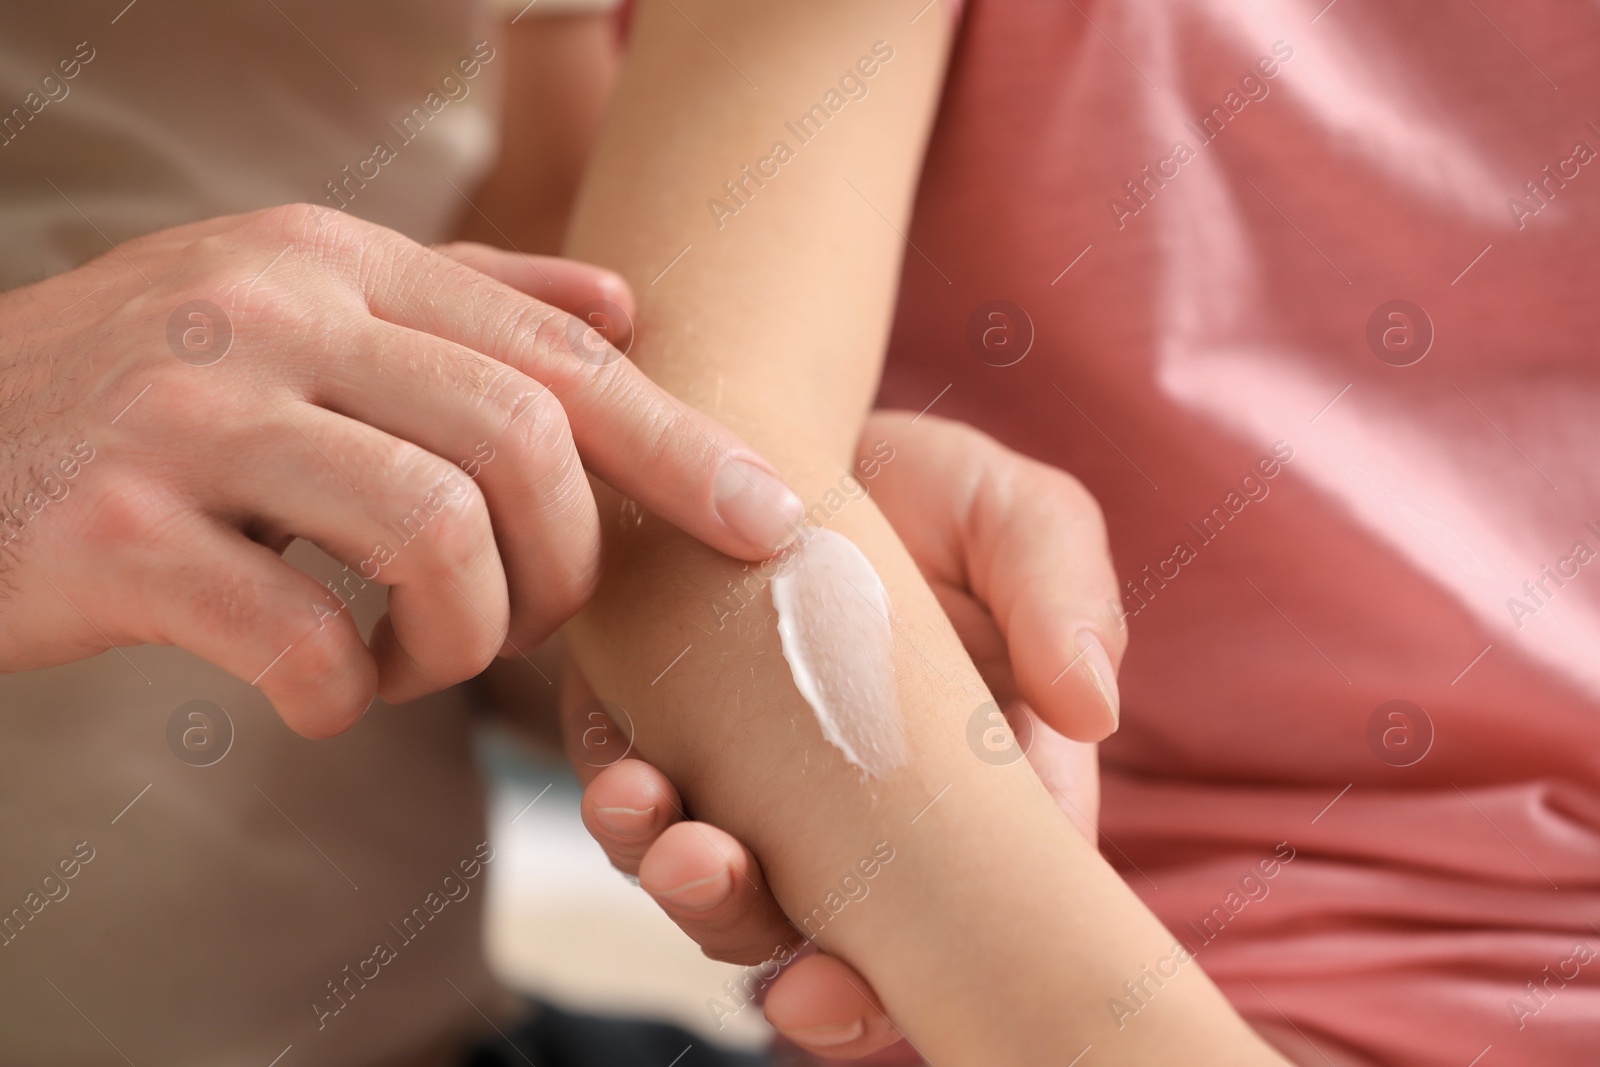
<point>186,109</point>
<point>217,903</point>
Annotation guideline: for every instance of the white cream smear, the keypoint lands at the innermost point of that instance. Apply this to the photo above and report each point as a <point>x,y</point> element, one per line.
<point>833,621</point>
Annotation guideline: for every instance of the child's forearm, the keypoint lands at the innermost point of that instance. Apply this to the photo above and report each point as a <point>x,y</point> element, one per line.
<point>995,934</point>
<point>759,228</point>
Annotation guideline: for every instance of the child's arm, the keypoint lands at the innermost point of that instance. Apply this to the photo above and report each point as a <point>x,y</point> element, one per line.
<point>1001,539</point>
<point>776,322</point>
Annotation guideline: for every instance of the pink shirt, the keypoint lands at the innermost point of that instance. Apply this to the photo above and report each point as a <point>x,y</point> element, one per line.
<point>1322,501</point>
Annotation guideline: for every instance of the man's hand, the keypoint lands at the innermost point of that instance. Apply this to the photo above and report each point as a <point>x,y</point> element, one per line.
<point>173,414</point>
<point>1016,552</point>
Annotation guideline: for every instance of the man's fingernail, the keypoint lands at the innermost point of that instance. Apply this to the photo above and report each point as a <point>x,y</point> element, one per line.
<point>626,822</point>
<point>755,504</point>
<point>1095,665</point>
<point>828,1036</point>
<point>702,893</point>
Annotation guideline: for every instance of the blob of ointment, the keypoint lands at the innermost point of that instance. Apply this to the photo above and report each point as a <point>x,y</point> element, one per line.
<point>833,620</point>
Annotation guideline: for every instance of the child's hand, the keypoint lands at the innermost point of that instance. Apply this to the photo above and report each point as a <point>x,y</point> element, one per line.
<point>1016,552</point>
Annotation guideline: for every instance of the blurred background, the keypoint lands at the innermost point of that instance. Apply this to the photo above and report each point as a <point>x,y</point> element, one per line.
<point>566,926</point>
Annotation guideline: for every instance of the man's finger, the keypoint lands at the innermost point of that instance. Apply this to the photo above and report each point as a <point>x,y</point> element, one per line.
<point>579,289</point>
<point>397,514</point>
<point>500,429</point>
<point>681,464</point>
<point>239,605</point>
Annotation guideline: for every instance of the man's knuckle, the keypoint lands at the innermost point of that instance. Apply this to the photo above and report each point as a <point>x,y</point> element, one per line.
<point>126,513</point>
<point>189,406</point>
<point>319,649</point>
<point>471,658</point>
<point>540,439</point>
<point>230,605</point>
<point>431,499</point>
<point>660,432</point>
<point>298,224</point>
<point>548,332</point>
<point>495,384</point>
<point>458,538</point>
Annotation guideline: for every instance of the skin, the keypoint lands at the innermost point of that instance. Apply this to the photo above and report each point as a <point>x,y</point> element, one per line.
<point>733,327</point>
<point>367,377</point>
<point>971,512</point>
<point>406,656</point>
<point>966,506</point>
